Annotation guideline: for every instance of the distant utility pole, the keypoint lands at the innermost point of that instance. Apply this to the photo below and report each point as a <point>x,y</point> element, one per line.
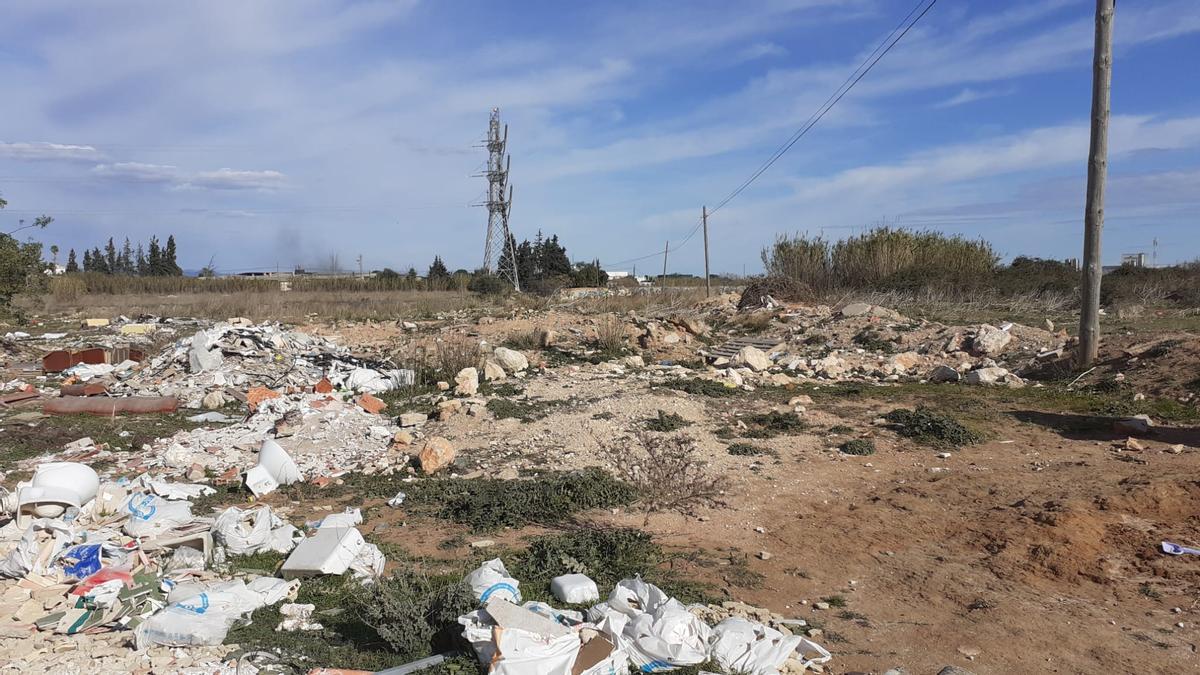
<point>666,249</point>
<point>1093,217</point>
<point>360,268</point>
<point>707,278</point>
<point>499,254</point>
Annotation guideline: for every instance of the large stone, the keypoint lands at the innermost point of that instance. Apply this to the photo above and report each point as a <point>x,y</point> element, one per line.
<point>987,376</point>
<point>954,670</point>
<point>1133,426</point>
<point>944,373</point>
<point>492,371</point>
<point>466,382</point>
<point>448,409</point>
<point>905,361</point>
<point>215,399</point>
<point>989,340</point>
<point>856,309</point>
<point>436,454</point>
<point>831,366</point>
<point>413,419</point>
<point>510,360</point>
<point>753,357</point>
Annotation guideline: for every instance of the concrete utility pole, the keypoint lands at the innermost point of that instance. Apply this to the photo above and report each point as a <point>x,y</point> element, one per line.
<point>360,268</point>
<point>707,278</point>
<point>1093,217</point>
<point>666,249</point>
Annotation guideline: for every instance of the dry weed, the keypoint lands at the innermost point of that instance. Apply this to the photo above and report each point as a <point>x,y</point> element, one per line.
<point>667,470</point>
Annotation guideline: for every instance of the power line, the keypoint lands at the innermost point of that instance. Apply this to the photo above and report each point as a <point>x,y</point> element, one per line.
<point>881,50</point>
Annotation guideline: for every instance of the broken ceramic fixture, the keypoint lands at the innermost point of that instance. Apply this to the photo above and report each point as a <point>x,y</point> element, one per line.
<point>275,467</point>
<point>329,551</point>
<point>56,487</point>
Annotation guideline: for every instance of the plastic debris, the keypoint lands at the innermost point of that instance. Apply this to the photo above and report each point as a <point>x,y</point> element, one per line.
<point>275,467</point>
<point>491,579</point>
<point>330,551</point>
<point>253,531</point>
<point>574,589</point>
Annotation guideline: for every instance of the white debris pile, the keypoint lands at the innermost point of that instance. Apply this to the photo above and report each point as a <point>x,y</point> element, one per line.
<point>237,354</point>
<point>639,625</point>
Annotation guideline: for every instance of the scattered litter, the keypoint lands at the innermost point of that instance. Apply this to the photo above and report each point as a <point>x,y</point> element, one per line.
<point>574,589</point>
<point>254,531</point>
<point>396,501</point>
<point>491,579</point>
<point>275,467</point>
<point>1176,549</point>
<point>297,617</point>
<point>330,551</point>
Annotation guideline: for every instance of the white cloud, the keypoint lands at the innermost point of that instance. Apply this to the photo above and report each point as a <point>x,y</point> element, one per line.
<point>48,151</point>
<point>969,95</point>
<point>136,172</point>
<point>761,50</point>
<point>230,179</point>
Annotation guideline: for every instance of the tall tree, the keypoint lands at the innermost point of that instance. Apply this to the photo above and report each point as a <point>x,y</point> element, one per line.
<point>126,258</point>
<point>140,263</point>
<point>554,260</point>
<point>98,262</point>
<point>72,264</point>
<point>154,259</point>
<point>170,265</point>
<point>437,269</point>
<point>88,265</point>
<point>111,262</point>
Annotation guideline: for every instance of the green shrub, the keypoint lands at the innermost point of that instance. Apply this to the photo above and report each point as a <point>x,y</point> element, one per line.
<point>710,388</point>
<point>666,422</point>
<point>748,450</point>
<point>858,446</point>
<point>931,428</point>
<point>774,423</point>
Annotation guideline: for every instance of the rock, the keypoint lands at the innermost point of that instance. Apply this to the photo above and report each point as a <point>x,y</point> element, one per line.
<point>443,386</point>
<point>371,404</point>
<point>989,340</point>
<point>1138,425</point>
<point>287,425</point>
<point>492,371</point>
<point>1048,325</point>
<point>970,651</point>
<point>196,473</point>
<point>987,376</point>
<point>546,337</point>
<point>764,555</point>
<point>855,309</point>
<point>214,400</point>
<point>803,399</point>
<point>402,438</point>
<point>943,373</point>
<point>831,366</point>
<point>466,382</point>
<point>821,606</point>
<point>483,543</point>
<point>635,361</point>
<point>436,454</point>
<point>954,670</point>
<point>448,409</point>
<point>408,325</point>
<point>904,361</point>
<point>1134,445</point>
<point>753,357</point>
<point>510,360</point>
<point>413,419</point>
<point>508,473</point>
<point>693,325</point>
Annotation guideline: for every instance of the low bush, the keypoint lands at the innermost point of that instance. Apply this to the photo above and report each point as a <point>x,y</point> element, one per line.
<point>710,388</point>
<point>931,428</point>
<point>858,446</point>
<point>666,422</point>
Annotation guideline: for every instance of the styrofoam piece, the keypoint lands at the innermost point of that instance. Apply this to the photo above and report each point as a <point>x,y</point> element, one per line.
<point>574,589</point>
<point>275,467</point>
<point>508,615</point>
<point>330,551</point>
<point>348,518</point>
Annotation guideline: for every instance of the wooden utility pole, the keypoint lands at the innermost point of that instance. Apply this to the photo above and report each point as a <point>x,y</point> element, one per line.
<point>1093,216</point>
<point>666,249</point>
<point>707,278</point>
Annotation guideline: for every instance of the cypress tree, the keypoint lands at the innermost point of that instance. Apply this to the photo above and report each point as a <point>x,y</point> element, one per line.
<point>72,264</point>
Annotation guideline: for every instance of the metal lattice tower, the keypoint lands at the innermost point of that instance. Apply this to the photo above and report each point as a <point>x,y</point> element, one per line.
<point>499,203</point>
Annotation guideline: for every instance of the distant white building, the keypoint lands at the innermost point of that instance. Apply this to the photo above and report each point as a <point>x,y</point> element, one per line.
<point>54,269</point>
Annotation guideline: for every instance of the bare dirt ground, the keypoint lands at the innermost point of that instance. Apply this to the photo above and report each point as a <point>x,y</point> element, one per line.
<point>1035,550</point>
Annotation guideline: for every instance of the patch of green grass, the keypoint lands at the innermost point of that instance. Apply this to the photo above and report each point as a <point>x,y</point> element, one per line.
<point>931,428</point>
<point>49,434</point>
<point>750,450</point>
<point>773,423</point>
<point>858,446</point>
<point>838,601</point>
<point>603,416</point>
<point>699,387</point>
<point>500,389</point>
<point>486,504</point>
<point>666,422</point>
<point>840,429</point>
<point>417,398</point>
<point>527,410</point>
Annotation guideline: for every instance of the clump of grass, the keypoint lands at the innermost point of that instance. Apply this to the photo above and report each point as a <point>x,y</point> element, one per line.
<point>931,428</point>
<point>606,415</point>
<point>773,423</point>
<point>454,354</point>
<point>489,504</point>
<point>416,614</point>
<point>840,429</point>
<point>710,388</point>
<point>500,389</point>
<point>748,450</point>
<point>858,446</point>
<point>526,340</point>
<point>611,339</point>
<point>526,411</point>
<point>1149,591</point>
<point>871,340</point>
<point>666,422</point>
<point>838,601</point>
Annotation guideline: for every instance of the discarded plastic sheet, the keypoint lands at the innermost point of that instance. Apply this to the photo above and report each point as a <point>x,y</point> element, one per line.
<point>205,617</point>
<point>152,516</point>
<point>574,589</point>
<point>178,491</point>
<point>491,579</point>
<point>744,646</point>
<point>134,405</point>
<point>1176,549</point>
<point>29,554</point>
<point>210,417</point>
<point>369,564</point>
<point>662,635</point>
<point>519,640</point>
<point>414,666</point>
<point>348,518</point>
<point>330,551</point>
<point>275,467</point>
<point>254,531</point>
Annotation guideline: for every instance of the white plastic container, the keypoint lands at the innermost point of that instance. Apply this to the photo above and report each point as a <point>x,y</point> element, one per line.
<point>574,589</point>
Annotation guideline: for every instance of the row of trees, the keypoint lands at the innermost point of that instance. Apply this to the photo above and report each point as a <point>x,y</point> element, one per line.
<point>157,261</point>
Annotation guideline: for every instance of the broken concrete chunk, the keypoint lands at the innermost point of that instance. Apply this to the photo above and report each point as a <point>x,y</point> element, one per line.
<point>413,419</point>
<point>753,357</point>
<point>492,371</point>
<point>1137,425</point>
<point>989,340</point>
<point>436,454</point>
<point>944,373</point>
<point>466,382</point>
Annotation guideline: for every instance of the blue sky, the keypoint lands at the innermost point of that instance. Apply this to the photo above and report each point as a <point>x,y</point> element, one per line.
<point>280,133</point>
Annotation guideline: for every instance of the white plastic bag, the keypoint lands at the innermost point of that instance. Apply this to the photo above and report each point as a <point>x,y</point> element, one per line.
<point>574,589</point>
<point>22,559</point>
<point>745,646</point>
<point>523,653</point>
<point>204,617</point>
<point>491,580</point>
<point>656,632</point>
<point>151,515</point>
<point>254,530</point>
<point>368,565</point>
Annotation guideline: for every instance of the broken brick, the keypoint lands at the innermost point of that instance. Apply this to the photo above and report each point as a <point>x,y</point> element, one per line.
<point>257,395</point>
<point>371,404</point>
<point>324,386</point>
